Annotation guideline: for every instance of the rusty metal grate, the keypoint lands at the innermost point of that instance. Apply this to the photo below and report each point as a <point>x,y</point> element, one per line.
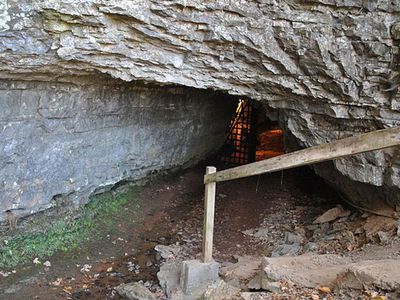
<point>240,143</point>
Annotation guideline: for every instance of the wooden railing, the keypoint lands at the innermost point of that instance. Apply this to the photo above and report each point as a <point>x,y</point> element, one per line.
<point>375,140</point>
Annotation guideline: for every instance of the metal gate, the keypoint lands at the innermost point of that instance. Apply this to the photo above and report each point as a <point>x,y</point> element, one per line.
<point>240,143</point>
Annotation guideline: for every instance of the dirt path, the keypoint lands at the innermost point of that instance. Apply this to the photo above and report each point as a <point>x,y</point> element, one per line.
<point>171,212</point>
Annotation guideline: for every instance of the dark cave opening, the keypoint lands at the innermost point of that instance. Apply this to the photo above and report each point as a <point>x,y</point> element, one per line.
<point>251,135</point>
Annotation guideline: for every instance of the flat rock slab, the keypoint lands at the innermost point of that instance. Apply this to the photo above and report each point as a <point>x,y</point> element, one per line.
<point>304,270</point>
<point>245,268</point>
<point>383,274</point>
<point>134,291</point>
<point>332,214</point>
<point>331,270</point>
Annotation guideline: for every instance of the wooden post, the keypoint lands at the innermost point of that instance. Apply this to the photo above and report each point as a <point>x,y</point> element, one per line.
<point>209,208</point>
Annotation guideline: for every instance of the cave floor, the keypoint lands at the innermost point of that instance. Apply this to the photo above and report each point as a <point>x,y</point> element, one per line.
<point>252,217</point>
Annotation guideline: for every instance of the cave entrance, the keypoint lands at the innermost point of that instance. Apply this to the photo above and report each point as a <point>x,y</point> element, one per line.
<point>251,136</point>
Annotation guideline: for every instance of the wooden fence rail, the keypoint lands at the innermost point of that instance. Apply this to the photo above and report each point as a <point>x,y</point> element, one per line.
<point>366,142</point>
<point>375,140</point>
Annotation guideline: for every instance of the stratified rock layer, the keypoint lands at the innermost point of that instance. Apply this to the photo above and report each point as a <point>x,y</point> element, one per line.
<point>62,142</point>
<point>330,67</point>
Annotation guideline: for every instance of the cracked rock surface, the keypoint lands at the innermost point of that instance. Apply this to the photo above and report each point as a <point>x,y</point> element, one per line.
<point>330,68</point>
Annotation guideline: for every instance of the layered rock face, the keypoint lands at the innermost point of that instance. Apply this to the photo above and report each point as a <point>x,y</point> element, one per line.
<point>330,67</point>
<point>62,142</point>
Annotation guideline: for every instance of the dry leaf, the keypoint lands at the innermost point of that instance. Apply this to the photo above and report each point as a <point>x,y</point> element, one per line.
<point>47,263</point>
<point>68,289</point>
<point>324,289</point>
<point>86,268</point>
<point>36,261</point>
<point>57,282</point>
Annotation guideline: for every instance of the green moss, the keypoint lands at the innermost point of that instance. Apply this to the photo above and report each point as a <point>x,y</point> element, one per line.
<point>69,232</point>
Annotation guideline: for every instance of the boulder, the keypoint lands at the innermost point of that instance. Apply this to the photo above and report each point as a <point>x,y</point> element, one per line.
<point>308,270</point>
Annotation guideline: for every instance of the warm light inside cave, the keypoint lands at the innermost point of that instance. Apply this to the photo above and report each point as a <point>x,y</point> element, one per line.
<point>251,136</point>
<point>270,144</point>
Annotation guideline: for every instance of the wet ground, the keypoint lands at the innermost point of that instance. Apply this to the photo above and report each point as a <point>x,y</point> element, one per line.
<point>171,213</point>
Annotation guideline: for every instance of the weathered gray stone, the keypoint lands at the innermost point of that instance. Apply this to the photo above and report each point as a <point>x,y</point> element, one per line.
<point>197,275</point>
<point>255,283</point>
<point>381,274</point>
<point>287,250</point>
<point>304,270</point>
<point>384,237</point>
<point>292,238</point>
<point>134,291</point>
<point>332,214</point>
<point>220,290</point>
<point>274,287</point>
<point>168,252</point>
<point>333,271</point>
<point>329,67</point>
<point>187,280</point>
<point>244,269</point>
<point>62,142</point>
<point>169,279</point>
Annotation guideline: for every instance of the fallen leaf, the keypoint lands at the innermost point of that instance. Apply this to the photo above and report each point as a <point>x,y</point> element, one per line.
<point>36,261</point>
<point>47,263</point>
<point>68,290</point>
<point>86,268</point>
<point>4,274</point>
<point>324,289</point>
<point>57,282</point>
